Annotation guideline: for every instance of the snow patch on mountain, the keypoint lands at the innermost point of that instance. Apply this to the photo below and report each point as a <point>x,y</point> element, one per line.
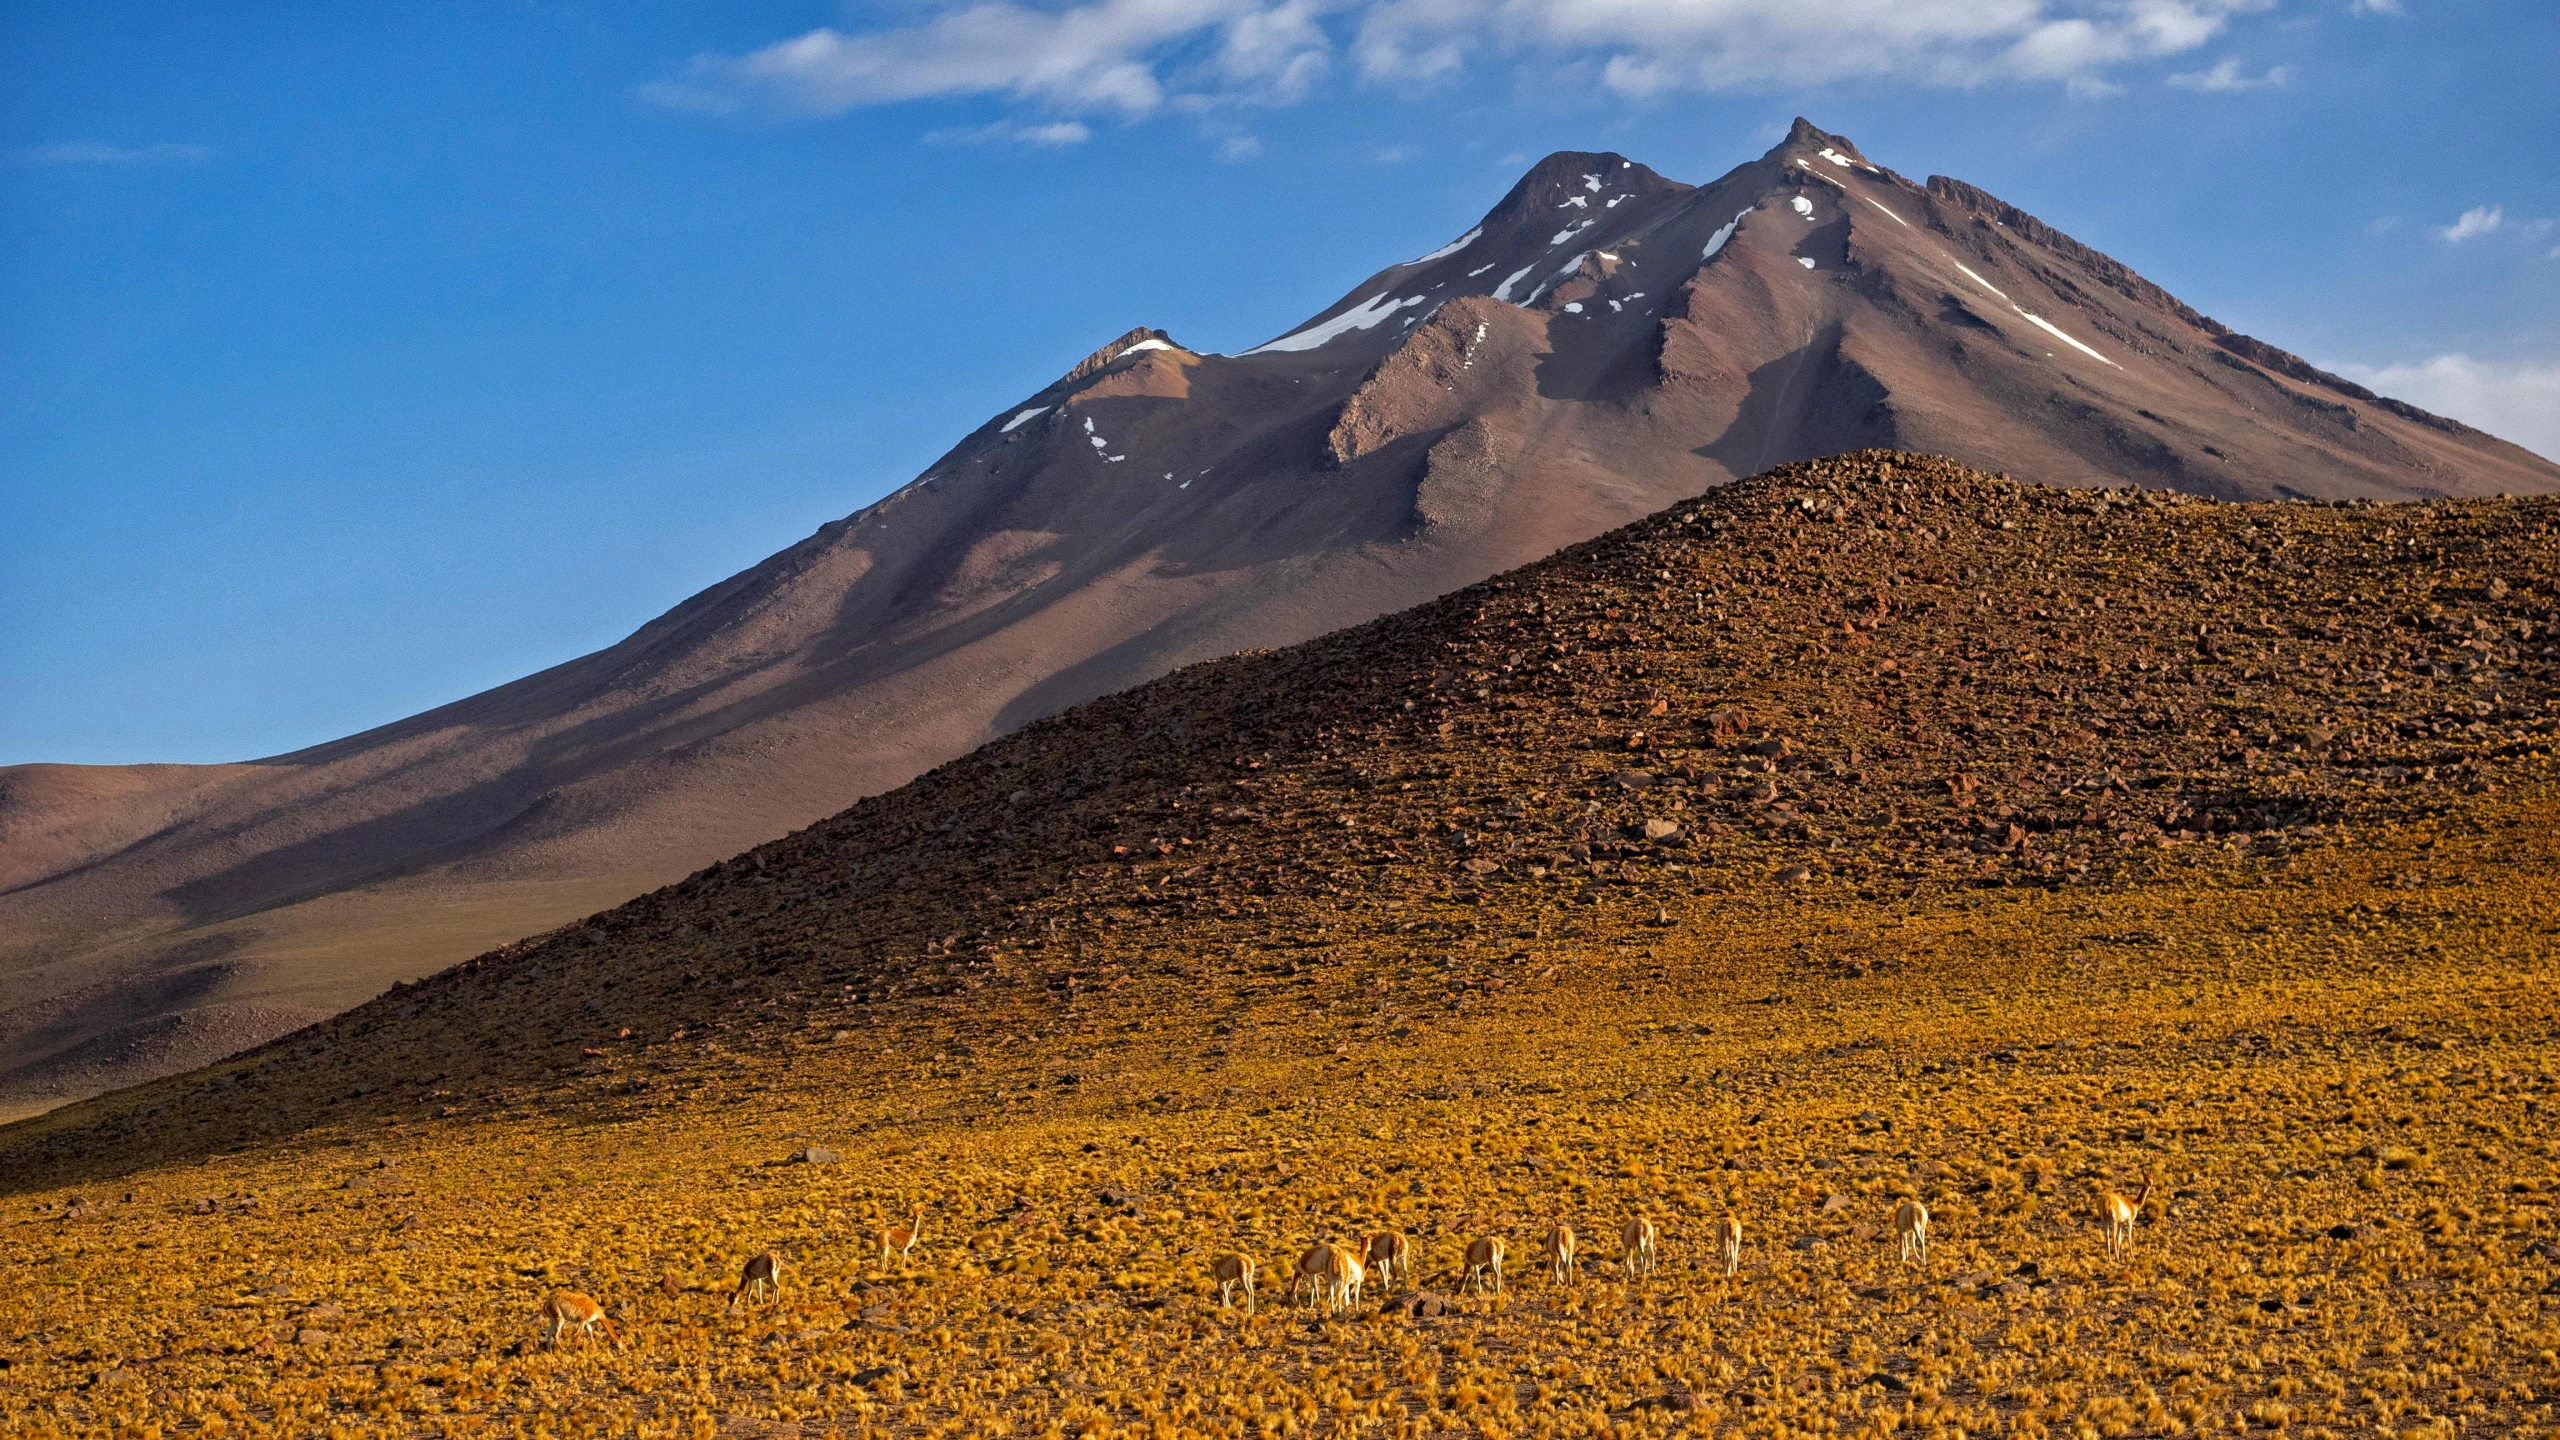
<point>1716,241</point>
<point>1018,421</point>
<point>1359,317</point>
<point>1978,280</point>
<point>1566,269</point>
<point>1452,248</point>
<point>2056,332</point>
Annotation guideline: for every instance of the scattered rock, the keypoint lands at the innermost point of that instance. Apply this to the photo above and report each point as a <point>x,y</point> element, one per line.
<point>814,1155</point>
<point>1661,829</point>
<point>1794,874</point>
<point>1833,1204</point>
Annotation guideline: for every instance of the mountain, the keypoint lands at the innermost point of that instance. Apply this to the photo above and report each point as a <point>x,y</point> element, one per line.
<point>1879,685</point>
<point>1868,831</point>
<point>1606,342</point>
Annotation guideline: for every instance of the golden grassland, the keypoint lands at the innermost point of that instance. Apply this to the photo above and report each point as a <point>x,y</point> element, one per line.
<point>2337,1063</point>
<point>1868,829</point>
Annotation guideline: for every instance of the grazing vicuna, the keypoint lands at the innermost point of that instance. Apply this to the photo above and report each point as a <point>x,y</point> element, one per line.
<point>1636,1246</point>
<point>2119,1215</point>
<point>1390,1254</point>
<point>1911,1222</point>
<point>1348,1277</point>
<point>1315,1269</point>
<point>762,1272</point>
<point>1559,1257</point>
<point>1234,1272</point>
<point>568,1310</point>
<point>1332,1276</point>
<point>1484,1257</point>
<point>1729,1243</point>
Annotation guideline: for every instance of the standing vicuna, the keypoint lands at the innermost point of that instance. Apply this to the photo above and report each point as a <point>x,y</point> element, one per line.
<point>2119,1215</point>
<point>1636,1247</point>
<point>1911,1222</point>
<point>1390,1254</point>
<point>900,1240</point>
<point>1484,1257</point>
<point>568,1310</point>
<point>763,1271</point>
<point>1559,1258</point>
<point>1234,1272</point>
<point>1729,1243</point>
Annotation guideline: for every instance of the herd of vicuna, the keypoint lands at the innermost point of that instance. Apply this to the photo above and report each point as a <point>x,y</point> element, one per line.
<point>1331,1275</point>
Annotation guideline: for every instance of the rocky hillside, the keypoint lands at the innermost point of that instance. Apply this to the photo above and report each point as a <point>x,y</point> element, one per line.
<point>1873,679</point>
<point>1605,342</point>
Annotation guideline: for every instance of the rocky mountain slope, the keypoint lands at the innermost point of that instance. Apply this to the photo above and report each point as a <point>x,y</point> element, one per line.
<point>1877,679</point>
<point>1866,831</point>
<point>1606,342</point>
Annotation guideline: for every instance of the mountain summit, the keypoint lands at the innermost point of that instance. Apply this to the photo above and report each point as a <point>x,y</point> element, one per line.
<point>1605,342</point>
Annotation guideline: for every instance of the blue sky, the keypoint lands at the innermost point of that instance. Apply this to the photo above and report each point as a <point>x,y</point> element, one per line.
<point>356,358</point>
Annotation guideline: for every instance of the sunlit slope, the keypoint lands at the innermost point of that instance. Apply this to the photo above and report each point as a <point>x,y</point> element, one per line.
<point>1865,830</point>
<point>1605,342</point>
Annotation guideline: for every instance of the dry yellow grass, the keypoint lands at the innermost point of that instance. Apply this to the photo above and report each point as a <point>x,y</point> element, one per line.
<point>2312,995</point>
<point>2292,1057</point>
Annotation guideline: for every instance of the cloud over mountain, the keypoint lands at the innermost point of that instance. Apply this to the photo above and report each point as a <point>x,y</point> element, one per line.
<point>1138,57</point>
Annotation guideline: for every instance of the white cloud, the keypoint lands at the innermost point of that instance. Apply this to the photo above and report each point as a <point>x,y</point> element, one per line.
<point>1137,57</point>
<point>1057,132</point>
<point>2513,400</point>
<point>2227,78</point>
<point>2375,7</point>
<point>1086,57</point>
<point>90,152</point>
<point>2476,221</point>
